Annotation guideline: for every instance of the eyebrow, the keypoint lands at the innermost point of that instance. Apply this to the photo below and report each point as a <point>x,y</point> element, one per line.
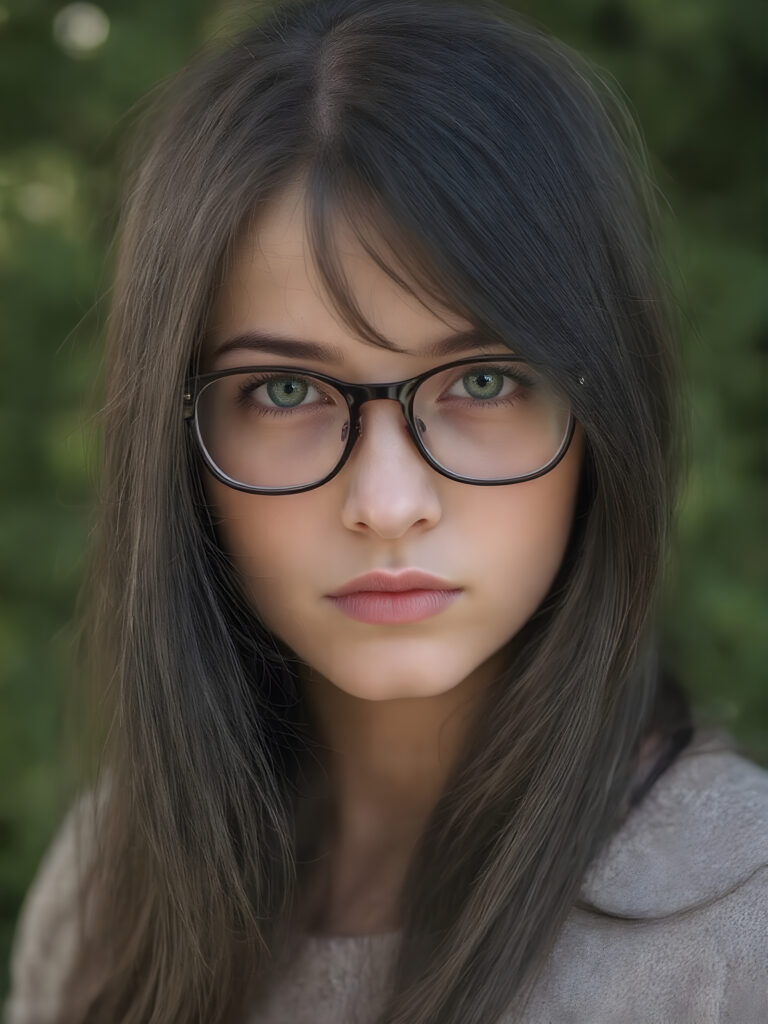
<point>275,344</point>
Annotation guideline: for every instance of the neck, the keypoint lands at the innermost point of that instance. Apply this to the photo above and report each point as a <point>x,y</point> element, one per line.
<point>384,765</point>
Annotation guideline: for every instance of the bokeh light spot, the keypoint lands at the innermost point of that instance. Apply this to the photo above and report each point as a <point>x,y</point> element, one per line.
<point>80,29</point>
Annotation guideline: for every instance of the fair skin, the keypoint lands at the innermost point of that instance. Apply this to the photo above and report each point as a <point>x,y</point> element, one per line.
<point>393,703</point>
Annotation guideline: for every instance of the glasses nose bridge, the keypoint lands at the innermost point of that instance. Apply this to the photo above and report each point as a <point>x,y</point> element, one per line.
<point>399,391</point>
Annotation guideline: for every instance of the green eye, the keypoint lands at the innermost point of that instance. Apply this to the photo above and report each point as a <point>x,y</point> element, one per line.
<point>483,383</point>
<point>287,392</point>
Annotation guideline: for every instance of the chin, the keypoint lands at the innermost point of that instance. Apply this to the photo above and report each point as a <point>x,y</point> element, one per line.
<point>388,690</point>
<point>384,676</point>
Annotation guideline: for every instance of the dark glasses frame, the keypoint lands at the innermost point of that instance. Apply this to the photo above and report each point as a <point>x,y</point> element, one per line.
<point>356,395</point>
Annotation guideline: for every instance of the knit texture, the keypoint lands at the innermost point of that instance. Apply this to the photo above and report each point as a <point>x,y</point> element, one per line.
<point>678,933</point>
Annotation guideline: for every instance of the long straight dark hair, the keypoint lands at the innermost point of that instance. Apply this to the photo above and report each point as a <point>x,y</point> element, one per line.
<point>482,165</point>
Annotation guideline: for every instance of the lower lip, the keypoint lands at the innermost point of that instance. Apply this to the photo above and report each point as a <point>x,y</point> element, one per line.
<point>387,607</point>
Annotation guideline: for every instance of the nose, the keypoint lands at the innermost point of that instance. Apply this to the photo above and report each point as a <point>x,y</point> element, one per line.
<point>389,486</point>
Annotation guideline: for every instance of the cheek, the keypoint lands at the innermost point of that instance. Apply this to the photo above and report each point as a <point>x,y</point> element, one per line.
<point>525,534</point>
<point>268,539</point>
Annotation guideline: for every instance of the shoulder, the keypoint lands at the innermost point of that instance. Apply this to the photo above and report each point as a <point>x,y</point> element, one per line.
<point>47,928</point>
<point>672,924</point>
<point>701,832</point>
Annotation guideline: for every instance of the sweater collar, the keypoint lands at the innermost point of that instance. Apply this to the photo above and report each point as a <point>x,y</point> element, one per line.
<point>700,831</point>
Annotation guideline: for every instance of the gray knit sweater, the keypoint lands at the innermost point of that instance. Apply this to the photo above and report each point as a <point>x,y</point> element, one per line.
<point>682,937</point>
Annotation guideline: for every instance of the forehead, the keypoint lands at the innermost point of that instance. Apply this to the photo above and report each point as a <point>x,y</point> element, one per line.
<point>272,286</point>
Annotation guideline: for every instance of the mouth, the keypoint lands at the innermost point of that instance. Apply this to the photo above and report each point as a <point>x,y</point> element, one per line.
<point>394,607</point>
<point>385,581</point>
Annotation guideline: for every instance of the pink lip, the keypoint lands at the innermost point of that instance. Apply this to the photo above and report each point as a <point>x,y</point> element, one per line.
<point>408,579</point>
<point>387,607</point>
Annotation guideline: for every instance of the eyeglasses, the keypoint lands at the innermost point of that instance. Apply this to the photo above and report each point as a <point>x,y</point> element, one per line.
<point>486,420</point>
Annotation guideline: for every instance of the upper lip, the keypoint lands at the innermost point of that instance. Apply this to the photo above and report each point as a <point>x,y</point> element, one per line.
<point>409,579</point>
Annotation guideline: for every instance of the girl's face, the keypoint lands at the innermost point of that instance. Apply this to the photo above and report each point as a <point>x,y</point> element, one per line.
<point>501,546</point>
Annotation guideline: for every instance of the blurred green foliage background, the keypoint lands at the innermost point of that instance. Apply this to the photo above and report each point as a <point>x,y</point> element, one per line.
<point>71,75</point>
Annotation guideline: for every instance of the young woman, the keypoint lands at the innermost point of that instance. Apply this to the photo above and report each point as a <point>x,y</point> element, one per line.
<point>392,441</point>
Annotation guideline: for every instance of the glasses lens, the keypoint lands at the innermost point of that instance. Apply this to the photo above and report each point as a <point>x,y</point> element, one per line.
<point>272,429</point>
<point>482,421</point>
<point>491,421</point>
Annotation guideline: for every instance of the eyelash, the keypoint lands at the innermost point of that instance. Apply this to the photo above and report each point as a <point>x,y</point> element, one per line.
<point>248,387</point>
